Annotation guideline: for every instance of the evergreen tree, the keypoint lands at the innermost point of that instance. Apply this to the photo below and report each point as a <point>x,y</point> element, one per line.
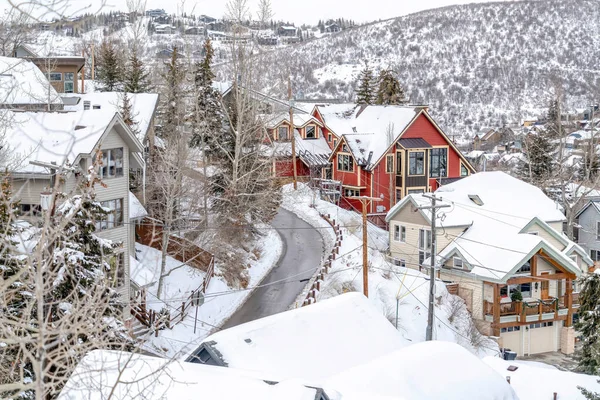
<point>553,125</point>
<point>127,113</point>
<point>539,160</point>
<point>109,71</point>
<point>136,77</point>
<point>364,93</point>
<point>172,109</point>
<point>390,92</point>
<point>209,122</point>
<point>589,325</point>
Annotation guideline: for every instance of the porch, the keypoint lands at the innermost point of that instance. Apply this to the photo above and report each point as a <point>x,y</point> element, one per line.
<point>531,310</point>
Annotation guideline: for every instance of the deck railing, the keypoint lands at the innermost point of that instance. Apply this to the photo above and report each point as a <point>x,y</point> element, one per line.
<point>525,308</point>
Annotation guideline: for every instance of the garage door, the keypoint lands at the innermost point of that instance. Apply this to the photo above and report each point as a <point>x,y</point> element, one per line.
<point>542,338</point>
<point>512,341</point>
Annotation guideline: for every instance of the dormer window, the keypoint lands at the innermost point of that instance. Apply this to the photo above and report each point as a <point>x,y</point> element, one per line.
<point>283,133</point>
<point>476,199</point>
<point>458,263</point>
<point>311,132</point>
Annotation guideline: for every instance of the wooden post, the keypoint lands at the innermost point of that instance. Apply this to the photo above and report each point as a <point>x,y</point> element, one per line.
<point>82,89</point>
<point>93,63</point>
<point>293,136</point>
<point>540,310</point>
<point>496,310</point>
<point>569,302</point>
<point>534,265</point>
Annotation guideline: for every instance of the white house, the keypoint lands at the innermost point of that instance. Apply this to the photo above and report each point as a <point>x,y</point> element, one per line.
<point>498,236</point>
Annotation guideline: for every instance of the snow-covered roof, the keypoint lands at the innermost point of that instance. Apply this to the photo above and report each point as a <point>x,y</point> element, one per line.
<point>330,336</point>
<point>313,152</point>
<point>120,375</point>
<point>22,82</point>
<point>536,381</point>
<point>300,120</point>
<point>136,209</point>
<point>406,374</point>
<point>143,106</point>
<point>494,208</point>
<point>368,130</point>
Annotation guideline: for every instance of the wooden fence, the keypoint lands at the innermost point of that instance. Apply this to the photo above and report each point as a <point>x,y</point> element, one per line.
<point>317,281</point>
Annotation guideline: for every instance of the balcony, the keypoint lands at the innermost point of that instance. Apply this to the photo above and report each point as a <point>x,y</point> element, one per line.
<point>530,310</point>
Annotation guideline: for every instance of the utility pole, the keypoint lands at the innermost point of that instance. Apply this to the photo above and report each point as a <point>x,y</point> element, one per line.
<point>365,201</point>
<point>292,129</point>
<point>430,310</point>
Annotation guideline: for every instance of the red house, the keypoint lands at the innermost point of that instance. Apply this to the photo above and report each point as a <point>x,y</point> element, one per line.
<point>387,152</point>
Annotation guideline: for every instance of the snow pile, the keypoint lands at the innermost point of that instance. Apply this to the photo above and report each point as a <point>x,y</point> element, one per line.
<point>424,371</point>
<point>106,374</point>
<point>391,288</point>
<point>221,301</point>
<point>532,381</point>
<point>312,342</point>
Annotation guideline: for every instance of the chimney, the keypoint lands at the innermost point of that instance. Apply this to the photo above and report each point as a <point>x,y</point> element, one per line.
<point>86,104</point>
<point>96,107</point>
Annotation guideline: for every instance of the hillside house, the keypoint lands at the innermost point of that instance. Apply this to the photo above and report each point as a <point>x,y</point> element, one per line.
<point>287,31</point>
<point>47,146</point>
<point>588,232</point>
<point>333,27</point>
<point>498,237</point>
<point>194,30</point>
<point>387,152</point>
<point>61,71</point>
<point>156,13</point>
<point>23,86</point>
<point>164,29</point>
<point>312,148</point>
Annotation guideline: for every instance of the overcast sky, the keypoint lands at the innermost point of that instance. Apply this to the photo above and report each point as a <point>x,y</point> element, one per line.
<point>298,11</point>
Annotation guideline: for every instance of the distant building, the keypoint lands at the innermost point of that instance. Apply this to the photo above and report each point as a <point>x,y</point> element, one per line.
<point>194,30</point>
<point>287,31</point>
<point>155,13</point>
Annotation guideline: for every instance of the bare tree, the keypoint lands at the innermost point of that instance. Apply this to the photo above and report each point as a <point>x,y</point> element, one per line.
<point>264,13</point>
<point>15,30</point>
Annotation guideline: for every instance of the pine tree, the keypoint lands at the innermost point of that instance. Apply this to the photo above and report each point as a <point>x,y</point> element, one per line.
<point>589,325</point>
<point>364,93</point>
<point>136,77</point>
<point>553,124</point>
<point>109,71</point>
<point>173,77</point>
<point>390,92</point>
<point>539,163</point>
<point>208,108</point>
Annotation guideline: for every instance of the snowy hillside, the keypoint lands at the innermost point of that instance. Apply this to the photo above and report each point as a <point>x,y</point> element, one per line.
<point>477,65</point>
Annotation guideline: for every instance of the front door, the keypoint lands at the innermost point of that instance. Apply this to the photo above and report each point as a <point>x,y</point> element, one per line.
<point>545,286</point>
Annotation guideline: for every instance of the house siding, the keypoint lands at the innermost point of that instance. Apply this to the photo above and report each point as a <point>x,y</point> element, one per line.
<point>543,233</point>
<point>587,233</point>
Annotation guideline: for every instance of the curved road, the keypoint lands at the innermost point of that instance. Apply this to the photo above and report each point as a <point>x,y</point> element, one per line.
<point>300,258</point>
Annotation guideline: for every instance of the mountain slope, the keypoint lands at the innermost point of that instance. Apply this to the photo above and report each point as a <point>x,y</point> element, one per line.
<point>476,65</point>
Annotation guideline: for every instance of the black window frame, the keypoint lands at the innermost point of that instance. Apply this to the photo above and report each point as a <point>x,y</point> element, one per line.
<point>287,133</point>
<point>313,129</point>
<point>414,162</point>
<point>345,162</point>
<point>438,162</point>
<point>108,171</point>
<point>464,171</point>
<point>389,164</point>
<point>116,208</point>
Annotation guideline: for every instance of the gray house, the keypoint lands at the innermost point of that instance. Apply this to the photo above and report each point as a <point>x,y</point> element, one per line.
<point>589,228</point>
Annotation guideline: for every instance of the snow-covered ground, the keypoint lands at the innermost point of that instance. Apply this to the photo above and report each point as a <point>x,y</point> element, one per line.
<point>221,301</point>
<point>394,289</point>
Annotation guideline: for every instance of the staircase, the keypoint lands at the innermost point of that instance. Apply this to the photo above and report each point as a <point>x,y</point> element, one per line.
<point>138,330</point>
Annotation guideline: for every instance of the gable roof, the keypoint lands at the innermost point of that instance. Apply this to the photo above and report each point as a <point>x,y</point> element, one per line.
<point>60,137</point>
<point>594,203</point>
<point>143,106</point>
<point>22,83</point>
<point>300,120</point>
<point>121,376</point>
<point>329,329</point>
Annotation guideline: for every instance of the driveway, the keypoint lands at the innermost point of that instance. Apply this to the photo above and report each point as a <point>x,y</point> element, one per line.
<point>300,258</point>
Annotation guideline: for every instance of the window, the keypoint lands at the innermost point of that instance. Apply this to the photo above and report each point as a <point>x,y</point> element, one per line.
<point>574,257</point>
<point>345,162</point>
<point>525,268</point>
<point>424,245</point>
<point>458,262</point>
<point>69,82</point>
<point>595,255</point>
<point>399,262</point>
<point>113,217</point>
<point>283,133</point>
<point>351,192</point>
<point>310,131</point>
<point>400,233</point>
<point>112,163</point>
<point>438,161</point>
<point>597,230</point>
<point>504,291</point>
<point>416,163</point>
<point>525,289</point>
<point>334,143</point>
<point>541,325</point>
<point>398,195</point>
<point>398,163</point>
<point>389,163</point>
<point>117,270</point>
<point>329,137</point>
<point>463,170</point>
<point>30,209</point>
<point>416,191</point>
<point>510,329</point>
<point>55,76</point>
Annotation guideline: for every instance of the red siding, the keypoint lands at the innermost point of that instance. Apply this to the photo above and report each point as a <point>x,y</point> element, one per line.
<point>283,168</point>
<point>325,131</point>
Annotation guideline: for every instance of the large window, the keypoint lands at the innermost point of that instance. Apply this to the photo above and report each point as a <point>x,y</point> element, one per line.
<point>55,76</point>
<point>69,82</point>
<point>400,233</point>
<point>463,170</point>
<point>112,163</point>
<point>345,162</point>
<point>595,255</point>
<point>416,163</point>
<point>310,132</point>
<point>424,245</point>
<point>389,163</point>
<point>114,216</point>
<point>284,132</point>
<point>438,163</point>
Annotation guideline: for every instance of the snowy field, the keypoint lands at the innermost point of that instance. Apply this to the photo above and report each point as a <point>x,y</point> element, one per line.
<point>221,301</point>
